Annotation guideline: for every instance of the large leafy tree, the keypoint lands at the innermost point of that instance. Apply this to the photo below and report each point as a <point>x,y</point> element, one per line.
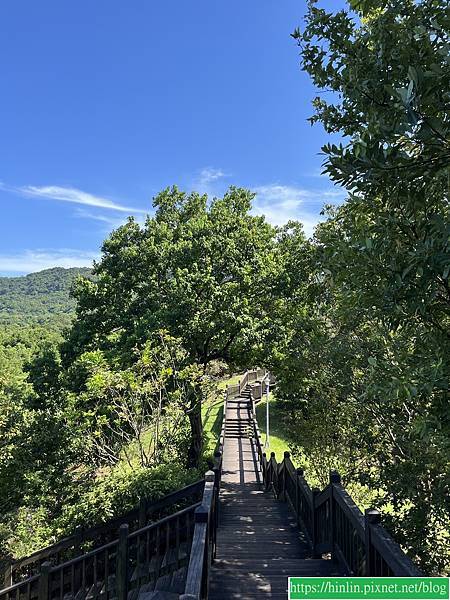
<point>195,270</point>
<point>368,342</point>
<point>390,78</point>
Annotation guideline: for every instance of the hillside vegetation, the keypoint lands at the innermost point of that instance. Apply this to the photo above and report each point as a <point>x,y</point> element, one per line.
<point>39,298</point>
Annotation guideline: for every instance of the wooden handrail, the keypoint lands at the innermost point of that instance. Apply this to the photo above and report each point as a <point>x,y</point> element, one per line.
<point>6,592</point>
<point>203,543</point>
<point>332,521</point>
<point>113,558</point>
<point>133,516</point>
<point>391,552</point>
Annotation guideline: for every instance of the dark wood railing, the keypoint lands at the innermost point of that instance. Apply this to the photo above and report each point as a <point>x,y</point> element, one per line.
<point>118,567</point>
<point>203,549</point>
<point>248,378</point>
<point>71,547</point>
<point>332,522</point>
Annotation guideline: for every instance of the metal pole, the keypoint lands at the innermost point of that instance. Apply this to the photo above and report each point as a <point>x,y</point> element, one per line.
<point>266,445</point>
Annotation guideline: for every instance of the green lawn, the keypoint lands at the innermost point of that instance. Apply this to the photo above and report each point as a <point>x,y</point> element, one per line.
<point>278,442</point>
<point>230,381</point>
<point>212,415</point>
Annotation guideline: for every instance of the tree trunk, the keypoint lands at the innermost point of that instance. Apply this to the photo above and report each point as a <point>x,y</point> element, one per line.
<point>196,443</point>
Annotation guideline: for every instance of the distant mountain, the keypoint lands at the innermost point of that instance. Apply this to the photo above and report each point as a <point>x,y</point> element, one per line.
<point>39,298</point>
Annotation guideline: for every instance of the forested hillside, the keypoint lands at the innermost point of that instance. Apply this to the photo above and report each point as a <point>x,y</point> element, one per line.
<point>39,298</point>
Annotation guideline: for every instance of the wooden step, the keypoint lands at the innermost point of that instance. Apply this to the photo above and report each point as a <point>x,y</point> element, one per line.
<point>248,579</point>
<point>158,595</point>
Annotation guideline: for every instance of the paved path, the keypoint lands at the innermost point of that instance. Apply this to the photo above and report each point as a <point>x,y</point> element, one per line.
<point>259,543</point>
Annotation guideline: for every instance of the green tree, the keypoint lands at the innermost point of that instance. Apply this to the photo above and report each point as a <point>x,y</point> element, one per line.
<point>194,269</point>
<point>368,342</point>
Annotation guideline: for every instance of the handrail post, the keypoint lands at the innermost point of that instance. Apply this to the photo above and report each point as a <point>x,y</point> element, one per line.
<point>286,457</point>
<point>371,517</point>
<point>217,477</point>
<point>122,564</point>
<point>315,524</point>
<point>211,528</point>
<point>201,516</point>
<point>203,541</point>
<point>335,478</point>
<point>142,513</point>
<point>142,522</point>
<point>298,473</point>
<point>44,580</point>
<point>264,469</point>
<point>8,577</point>
<point>272,472</point>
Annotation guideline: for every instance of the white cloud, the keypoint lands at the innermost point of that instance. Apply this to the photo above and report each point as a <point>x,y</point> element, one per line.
<point>69,194</point>
<point>109,221</point>
<point>207,180</point>
<point>30,261</point>
<point>282,203</point>
<point>113,222</point>
<point>209,174</point>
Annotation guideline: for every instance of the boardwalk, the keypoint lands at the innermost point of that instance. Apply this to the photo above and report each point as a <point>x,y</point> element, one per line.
<point>259,544</point>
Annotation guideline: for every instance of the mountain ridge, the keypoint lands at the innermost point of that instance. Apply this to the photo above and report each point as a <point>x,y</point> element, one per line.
<point>39,298</point>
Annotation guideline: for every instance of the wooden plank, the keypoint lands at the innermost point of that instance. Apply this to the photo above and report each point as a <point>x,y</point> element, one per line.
<point>323,496</point>
<point>391,552</point>
<point>350,509</point>
<point>195,569</point>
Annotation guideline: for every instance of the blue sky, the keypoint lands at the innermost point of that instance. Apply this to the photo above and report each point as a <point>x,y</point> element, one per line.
<point>105,103</point>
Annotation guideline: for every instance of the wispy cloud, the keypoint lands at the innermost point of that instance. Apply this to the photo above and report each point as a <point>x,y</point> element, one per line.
<point>30,261</point>
<point>70,194</point>
<point>207,180</point>
<point>109,222</point>
<point>282,203</point>
<point>209,174</point>
<point>113,222</point>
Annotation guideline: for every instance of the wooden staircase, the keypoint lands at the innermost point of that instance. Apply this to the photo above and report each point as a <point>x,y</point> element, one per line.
<point>258,541</point>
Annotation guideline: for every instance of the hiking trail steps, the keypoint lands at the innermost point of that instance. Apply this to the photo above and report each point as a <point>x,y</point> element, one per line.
<point>258,541</point>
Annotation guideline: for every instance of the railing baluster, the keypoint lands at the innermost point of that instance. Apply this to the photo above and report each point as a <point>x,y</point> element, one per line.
<point>44,580</point>
<point>106,573</point>
<point>316,525</point>
<point>147,548</point>
<point>83,576</point>
<point>61,583</point>
<point>95,577</point>
<point>72,579</point>
<point>177,540</point>
<point>122,564</point>
<point>8,578</point>
<point>371,516</point>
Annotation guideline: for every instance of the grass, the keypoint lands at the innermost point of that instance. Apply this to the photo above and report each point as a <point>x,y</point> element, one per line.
<point>212,415</point>
<point>230,381</point>
<point>278,442</point>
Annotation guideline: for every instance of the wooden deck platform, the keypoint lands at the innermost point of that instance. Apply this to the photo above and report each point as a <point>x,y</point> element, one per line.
<point>258,542</point>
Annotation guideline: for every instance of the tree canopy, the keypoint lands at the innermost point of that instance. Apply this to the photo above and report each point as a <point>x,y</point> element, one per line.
<point>195,270</point>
